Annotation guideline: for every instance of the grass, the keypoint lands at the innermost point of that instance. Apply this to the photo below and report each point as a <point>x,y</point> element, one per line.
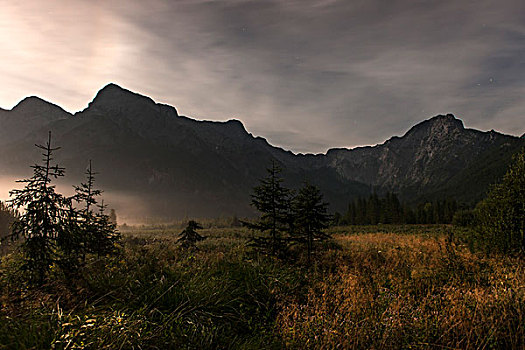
<point>381,287</point>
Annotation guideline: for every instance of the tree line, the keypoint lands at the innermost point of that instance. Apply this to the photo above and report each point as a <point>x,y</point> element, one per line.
<point>390,210</point>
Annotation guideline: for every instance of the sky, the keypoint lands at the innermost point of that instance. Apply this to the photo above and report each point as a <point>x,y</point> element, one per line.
<point>308,75</point>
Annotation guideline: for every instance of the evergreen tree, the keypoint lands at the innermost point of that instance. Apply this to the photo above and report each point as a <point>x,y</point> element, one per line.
<point>113,216</point>
<point>76,241</point>
<point>7,217</point>
<point>189,237</point>
<point>44,217</point>
<point>273,201</point>
<point>97,232</point>
<point>395,209</point>
<point>351,214</point>
<point>310,217</point>
<point>71,245</point>
<point>373,210</point>
<point>408,215</point>
<point>501,215</point>
<point>104,235</point>
<point>337,219</point>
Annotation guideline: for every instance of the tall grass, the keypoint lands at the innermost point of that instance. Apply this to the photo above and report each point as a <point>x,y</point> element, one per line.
<point>406,291</point>
<point>375,287</point>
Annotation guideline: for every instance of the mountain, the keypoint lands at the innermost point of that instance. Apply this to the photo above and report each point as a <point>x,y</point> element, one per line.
<point>154,162</point>
<point>436,158</point>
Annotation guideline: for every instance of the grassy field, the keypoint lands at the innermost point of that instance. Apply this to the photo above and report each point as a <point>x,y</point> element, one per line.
<point>373,287</point>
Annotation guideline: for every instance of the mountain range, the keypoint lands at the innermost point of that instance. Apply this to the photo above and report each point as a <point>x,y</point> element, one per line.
<point>153,162</point>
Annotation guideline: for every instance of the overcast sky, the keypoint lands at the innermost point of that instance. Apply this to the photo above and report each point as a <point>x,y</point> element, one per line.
<point>307,75</point>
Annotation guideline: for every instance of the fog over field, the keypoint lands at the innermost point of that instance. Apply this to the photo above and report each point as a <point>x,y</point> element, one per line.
<point>129,208</point>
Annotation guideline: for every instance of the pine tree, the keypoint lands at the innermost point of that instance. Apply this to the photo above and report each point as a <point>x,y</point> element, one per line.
<point>7,217</point>
<point>501,215</point>
<point>85,217</point>
<point>189,236</point>
<point>310,217</point>
<point>104,234</point>
<point>273,201</point>
<point>113,216</point>
<point>44,217</point>
<point>97,230</point>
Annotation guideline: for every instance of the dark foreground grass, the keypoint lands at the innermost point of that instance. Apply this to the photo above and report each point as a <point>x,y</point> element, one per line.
<point>376,287</point>
<point>152,296</point>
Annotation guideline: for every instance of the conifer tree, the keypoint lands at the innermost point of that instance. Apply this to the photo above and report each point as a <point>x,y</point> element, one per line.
<point>86,196</point>
<point>71,243</point>
<point>7,217</point>
<point>273,201</point>
<point>44,215</point>
<point>501,215</point>
<point>98,232</point>
<point>310,217</point>
<point>113,216</point>
<point>104,235</point>
<point>189,236</point>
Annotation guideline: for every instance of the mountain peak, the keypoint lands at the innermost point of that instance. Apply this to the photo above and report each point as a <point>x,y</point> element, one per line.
<point>36,105</point>
<point>445,120</point>
<point>115,98</point>
<point>440,124</point>
<point>31,101</point>
<point>110,86</point>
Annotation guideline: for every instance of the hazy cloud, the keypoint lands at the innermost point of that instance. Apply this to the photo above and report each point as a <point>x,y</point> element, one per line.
<point>307,75</point>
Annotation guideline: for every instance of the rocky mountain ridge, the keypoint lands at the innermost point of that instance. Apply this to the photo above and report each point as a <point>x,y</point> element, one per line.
<point>175,166</point>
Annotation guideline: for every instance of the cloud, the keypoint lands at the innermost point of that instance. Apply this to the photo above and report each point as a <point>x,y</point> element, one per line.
<point>307,75</point>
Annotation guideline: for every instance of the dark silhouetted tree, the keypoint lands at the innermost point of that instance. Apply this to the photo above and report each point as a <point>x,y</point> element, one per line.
<point>501,216</point>
<point>273,201</point>
<point>44,217</point>
<point>104,234</point>
<point>189,237</point>
<point>113,216</point>
<point>7,217</point>
<point>53,230</point>
<point>99,234</point>
<point>311,217</point>
<point>77,240</point>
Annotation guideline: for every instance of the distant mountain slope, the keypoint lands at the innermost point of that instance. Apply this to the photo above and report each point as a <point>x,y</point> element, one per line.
<point>174,166</point>
<point>436,158</point>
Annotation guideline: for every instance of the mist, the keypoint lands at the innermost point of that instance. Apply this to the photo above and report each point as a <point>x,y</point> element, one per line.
<point>129,208</point>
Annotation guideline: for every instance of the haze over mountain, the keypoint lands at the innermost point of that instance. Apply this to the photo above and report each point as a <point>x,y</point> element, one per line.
<point>154,162</point>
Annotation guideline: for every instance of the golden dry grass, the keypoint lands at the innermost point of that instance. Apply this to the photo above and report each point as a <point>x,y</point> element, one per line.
<point>388,290</point>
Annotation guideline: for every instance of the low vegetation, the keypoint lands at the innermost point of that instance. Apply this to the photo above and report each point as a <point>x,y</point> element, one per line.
<point>372,287</point>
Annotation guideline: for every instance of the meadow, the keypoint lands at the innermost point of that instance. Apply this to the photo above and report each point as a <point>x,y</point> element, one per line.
<point>371,287</point>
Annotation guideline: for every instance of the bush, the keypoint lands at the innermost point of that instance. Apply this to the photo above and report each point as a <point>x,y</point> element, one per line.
<point>464,218</point>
